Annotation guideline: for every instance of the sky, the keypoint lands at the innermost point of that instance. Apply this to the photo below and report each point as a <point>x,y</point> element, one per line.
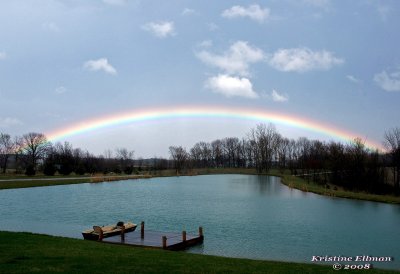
<point>66,62</point>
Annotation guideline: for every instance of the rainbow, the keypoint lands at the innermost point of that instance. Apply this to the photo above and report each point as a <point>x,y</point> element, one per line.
<point>207,112</point>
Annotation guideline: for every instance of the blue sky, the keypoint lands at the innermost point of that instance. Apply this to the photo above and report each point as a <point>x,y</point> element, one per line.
<point>63,62</point>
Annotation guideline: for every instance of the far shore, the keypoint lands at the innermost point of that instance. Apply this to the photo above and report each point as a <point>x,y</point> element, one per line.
<point>22,181</point>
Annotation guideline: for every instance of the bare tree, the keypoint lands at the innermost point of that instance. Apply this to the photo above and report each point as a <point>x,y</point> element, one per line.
<point>217,153</point>
<point>292,156</point>
<point>64,158</point>
<point>264,141</point>
<point>282,152</point>
<point>35,146</point>
<point>392,144</point>
<point>108,154</point>
<point>125,158</point>
<point>231,150</point>
<point>195,154</point>
<point>179,156</point>
<point>18,152</point>
<point>206,153</point>
<point>6,149</point>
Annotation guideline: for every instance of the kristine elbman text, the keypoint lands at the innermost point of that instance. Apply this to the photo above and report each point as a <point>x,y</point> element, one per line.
<point>362,258</point>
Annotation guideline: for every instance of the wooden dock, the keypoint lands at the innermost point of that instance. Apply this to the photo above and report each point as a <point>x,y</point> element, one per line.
<point>155,239</point>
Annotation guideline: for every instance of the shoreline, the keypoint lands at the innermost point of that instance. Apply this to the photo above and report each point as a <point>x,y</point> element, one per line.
<point>13,182</point>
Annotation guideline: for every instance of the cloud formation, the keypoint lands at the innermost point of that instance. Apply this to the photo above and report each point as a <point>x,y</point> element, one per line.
<point>115,2</point>
<point>388,81</point>
<point>100,64</point>
<point>276,97</point>
<point>60,90</point>
<point>318,3</point>
<point>254,12</point>
<point>8,122</point>
<point>212,26</point>
<point>384,12</point>
<point>3,55</point>
<point>160,29</point>
<point>303,59</point>
<point>235,60</point>
<point>353,79</point>
<point>231,86</point>
<point>187,11</point>
<point>205,44</point>
<point>50,26</point>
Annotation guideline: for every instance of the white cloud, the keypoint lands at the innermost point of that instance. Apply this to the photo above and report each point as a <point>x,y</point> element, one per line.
<point>318,3</point>
<point>388,81</point>
<point>353,79</point>
<point>188,11</point>
<point>50,26</point>
<point>60,90</point>
<point>160,29</point>
<point>235,60</point>
<point>231,86</point>
<point>3,55</point>
<point>205,44</point>
<point>100,64</point>
<point>115,2</point>
<point>212,26</point>
<point>276,97</point>
<point>254,12</point>
<point>8,122</point>
<point>384,12</point>
<point>303,59</point>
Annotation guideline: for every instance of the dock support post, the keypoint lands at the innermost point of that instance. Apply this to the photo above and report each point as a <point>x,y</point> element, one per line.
<point>164,242</point>
<point>184,236</point>
<point>123,233</point>
<point>101,235</point>
<point>142,230</point>
<point>200,231</point>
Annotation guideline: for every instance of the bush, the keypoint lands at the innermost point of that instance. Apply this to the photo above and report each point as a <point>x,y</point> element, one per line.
<point>30,171</point>
<point>128,170</point>
<point>80,170</point>
<point>65,169</point>
<point>49,169</point>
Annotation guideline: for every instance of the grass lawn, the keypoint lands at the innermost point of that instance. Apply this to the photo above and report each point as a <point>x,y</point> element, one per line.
<point>35,181</point>
<point>33,253</point>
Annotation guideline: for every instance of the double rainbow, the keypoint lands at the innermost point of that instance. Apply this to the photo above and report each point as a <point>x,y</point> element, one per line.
<point>208,112</point>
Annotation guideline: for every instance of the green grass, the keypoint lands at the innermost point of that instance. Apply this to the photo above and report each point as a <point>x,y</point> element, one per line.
<point>36,181</point>
<point>32,253</point>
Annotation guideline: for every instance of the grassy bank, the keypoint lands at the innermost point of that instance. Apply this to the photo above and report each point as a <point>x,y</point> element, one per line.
<point>301,184</point>
<point>32,253</point>
<point>287,179</point>
<point>25,181</point>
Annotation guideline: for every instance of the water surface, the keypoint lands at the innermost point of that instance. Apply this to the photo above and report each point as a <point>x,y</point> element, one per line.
<point>243,215</point>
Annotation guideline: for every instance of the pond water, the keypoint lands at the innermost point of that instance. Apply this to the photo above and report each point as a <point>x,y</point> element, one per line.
<point>243,216</point>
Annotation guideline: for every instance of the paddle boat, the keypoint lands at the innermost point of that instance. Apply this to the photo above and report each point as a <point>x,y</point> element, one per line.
<point>100,232</point>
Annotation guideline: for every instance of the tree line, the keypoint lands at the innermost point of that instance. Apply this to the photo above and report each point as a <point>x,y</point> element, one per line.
<point>350,165</point>
<point>32,152</point>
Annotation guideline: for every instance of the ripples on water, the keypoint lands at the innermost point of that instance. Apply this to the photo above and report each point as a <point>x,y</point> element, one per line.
<point>242,215</point>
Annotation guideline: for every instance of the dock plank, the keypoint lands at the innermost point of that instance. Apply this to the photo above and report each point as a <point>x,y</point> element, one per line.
<point>153,239</point>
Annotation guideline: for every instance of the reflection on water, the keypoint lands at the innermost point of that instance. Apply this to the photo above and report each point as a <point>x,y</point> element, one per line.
<point>242,215</point>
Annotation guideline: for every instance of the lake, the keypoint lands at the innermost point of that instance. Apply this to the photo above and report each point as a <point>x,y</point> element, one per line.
<point>245,216</point>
